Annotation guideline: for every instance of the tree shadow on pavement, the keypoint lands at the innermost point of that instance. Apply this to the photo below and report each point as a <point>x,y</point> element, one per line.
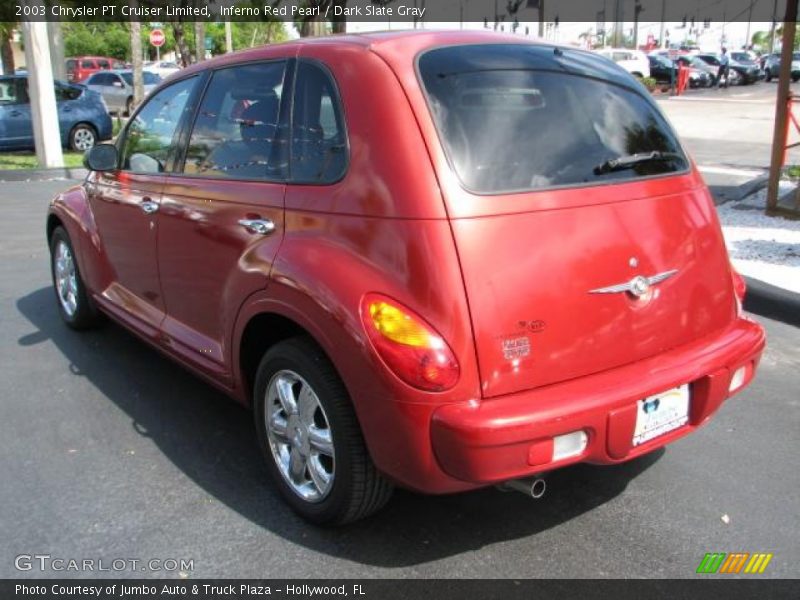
<point>212,440</point>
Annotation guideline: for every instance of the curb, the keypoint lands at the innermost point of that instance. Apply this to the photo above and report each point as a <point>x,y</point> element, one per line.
<point>773,302</point>
<point>43,174</point>
<point>739,193</point>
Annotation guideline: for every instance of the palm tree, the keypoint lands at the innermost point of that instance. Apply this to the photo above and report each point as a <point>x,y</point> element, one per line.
<point>7,29</point>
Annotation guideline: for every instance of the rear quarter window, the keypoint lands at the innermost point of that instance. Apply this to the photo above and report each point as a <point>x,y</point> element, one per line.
<point>522,117</point>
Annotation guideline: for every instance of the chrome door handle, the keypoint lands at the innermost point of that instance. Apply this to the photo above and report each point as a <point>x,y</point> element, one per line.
<point>259,226</point>
<point>149,207</point>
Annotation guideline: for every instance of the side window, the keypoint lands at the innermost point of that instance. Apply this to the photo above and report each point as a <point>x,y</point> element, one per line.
<point>9,92</point>
<point>103,64</point>
<point>319,141</point>
<point>87,64</point>
<point>66,92</point>
<point>149,136</point>
<point>236,131</point>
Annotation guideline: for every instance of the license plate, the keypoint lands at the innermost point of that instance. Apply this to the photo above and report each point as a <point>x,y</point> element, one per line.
<point>661,413</point>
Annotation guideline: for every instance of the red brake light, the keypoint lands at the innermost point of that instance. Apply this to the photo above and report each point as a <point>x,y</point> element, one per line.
<point>411,348</point>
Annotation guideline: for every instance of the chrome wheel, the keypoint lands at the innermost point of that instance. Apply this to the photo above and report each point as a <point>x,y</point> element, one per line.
<point>299,435</point>
<point>66,278</point>
<point>83,139</point>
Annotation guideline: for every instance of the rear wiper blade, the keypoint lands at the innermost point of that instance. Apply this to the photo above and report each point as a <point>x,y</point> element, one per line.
<point>627,162</point>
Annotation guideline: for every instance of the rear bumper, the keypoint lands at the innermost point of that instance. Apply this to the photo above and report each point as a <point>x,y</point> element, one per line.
<point>511,437</point>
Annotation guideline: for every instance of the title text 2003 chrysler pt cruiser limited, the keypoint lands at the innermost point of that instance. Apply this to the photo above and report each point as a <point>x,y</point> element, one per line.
<point>434,260</point>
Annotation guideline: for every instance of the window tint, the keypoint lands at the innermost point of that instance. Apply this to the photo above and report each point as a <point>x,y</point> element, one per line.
<point>66,92</point>
<point>318,148</point>
<point>514,118</point>
<point>149,136</point>
<point>236,131</point>
<point>87,64</point>
<point>103,64</point>
<point>71,64</point>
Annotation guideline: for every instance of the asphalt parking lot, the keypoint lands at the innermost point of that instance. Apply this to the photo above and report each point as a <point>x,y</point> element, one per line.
<point>111,451</point>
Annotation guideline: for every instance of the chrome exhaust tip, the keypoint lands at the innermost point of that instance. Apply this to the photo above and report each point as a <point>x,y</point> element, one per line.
<point>534,487</point>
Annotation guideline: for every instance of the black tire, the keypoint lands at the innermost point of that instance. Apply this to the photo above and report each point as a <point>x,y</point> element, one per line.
<point>795,78</point>
<point>357,489</point>
<point>82,137</point>
<point>767,75</point>
<point>85,314</point>
<point>129,107</point>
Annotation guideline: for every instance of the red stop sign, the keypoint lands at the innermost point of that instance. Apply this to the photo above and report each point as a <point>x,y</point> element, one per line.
<point>157,37</point>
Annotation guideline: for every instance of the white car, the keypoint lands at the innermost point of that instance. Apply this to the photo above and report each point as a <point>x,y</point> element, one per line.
<point>633,61</point>
<point>163,68</point>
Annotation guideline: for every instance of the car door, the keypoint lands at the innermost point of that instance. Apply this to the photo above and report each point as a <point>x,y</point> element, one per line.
<point>221,218</point>
<point>111,87</point>
<point>16,127</point>
<point>125,206</point>
<point>95,83</point>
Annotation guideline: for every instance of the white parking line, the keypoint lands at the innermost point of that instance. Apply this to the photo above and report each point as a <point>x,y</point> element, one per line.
<point>716,99</point>
<point>728,171</point>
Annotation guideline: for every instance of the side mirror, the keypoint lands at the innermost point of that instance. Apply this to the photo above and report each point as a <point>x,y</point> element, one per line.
<point>102,157</point>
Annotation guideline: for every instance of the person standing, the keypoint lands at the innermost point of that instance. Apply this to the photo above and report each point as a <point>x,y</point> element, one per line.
<point>724,63</point>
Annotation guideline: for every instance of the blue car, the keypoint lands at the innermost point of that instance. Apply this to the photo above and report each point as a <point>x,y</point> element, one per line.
<point>82,115</point>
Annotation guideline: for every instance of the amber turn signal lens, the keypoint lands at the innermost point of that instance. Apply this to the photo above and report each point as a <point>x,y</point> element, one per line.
<point>411,348</point>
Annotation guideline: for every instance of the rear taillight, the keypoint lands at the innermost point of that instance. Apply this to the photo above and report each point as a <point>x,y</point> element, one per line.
<point>408,345</point>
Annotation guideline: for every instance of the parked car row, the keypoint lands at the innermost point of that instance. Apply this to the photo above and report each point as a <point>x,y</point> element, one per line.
<point>771,64</point>
<point>82,115</point>
<point>743,68</point>
<point>97,86</point>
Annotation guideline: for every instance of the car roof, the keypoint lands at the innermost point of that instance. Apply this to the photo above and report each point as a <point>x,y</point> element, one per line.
<point>410,42</point>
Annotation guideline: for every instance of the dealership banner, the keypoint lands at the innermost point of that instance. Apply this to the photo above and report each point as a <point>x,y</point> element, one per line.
<point>490,12</point>
<point>389,589</point>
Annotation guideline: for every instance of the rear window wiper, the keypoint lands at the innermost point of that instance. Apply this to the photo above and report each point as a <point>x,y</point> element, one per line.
<point>627,162</point>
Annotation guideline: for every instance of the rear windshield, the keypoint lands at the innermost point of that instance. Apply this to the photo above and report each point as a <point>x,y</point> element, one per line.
<point>522,117</point>
<point>148,78</point>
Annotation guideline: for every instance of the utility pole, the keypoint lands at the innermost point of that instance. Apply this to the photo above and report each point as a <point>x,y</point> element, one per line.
<point>781,106</point>
<point>663,17</point>
<point>541,18</point>
<point>46,136</point>
<point>772,29</point>
<point>637,8</point>
<point>618,23</point>
<point>749,19</point>
<point>228,37</point>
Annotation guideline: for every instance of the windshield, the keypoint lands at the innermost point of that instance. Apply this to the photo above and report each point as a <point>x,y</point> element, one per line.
<point>148,78</point>
<point>741,57</point>
<point>509,121</point>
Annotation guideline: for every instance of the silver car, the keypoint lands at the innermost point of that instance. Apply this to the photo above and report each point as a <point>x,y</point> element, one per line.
<point>116,87</point>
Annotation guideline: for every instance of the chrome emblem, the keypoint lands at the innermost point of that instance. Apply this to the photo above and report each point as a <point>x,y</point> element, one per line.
<point>638,286</point>
<point>633,262</point>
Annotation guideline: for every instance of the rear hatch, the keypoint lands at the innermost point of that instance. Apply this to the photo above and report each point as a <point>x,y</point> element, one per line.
<point>585,238</point>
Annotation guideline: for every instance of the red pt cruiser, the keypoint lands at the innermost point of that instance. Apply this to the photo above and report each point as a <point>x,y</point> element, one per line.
<point>434,260</point>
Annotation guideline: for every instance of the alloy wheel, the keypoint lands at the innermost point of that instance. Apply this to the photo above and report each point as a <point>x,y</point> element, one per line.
<point>66,279</point>
<point>300,436</point>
